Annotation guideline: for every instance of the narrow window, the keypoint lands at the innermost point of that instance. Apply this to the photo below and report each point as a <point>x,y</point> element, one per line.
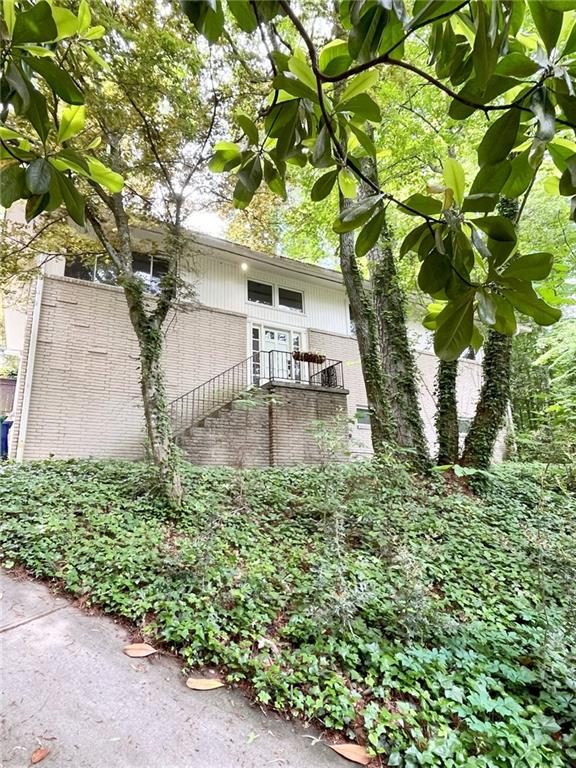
<point>260,293</point>
<point>351,326</point>
<point>290,300</point>
<point>105,271</point>
<point>159,268</point>
<point>362,417</point>
<point>79,268</point>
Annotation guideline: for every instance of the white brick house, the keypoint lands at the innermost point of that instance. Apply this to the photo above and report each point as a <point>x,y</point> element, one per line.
<point>78,394</point>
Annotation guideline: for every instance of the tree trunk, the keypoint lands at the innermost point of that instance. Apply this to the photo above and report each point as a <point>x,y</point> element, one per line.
<point>492,403</point>
<point>364,319</point>
<point>447,412</point>
<point>495,392</point>
<point>162,448</point>
<point>397,359</point>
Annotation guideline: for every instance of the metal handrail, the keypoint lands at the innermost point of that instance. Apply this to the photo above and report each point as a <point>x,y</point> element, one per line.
<point>198,403</point>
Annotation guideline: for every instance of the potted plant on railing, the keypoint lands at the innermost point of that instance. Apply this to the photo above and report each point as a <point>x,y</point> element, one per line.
<point>308,357</point>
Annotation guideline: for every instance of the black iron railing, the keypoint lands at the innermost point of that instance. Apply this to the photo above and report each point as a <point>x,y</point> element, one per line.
<point>257,369</point>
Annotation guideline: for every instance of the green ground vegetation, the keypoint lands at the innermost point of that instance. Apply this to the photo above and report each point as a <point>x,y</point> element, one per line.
<point>436,626</point>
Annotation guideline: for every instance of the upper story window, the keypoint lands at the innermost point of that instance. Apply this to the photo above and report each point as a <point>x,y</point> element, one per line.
<point>351,326</point>
<point>363,417</point>
<point>290,300</point>
<point>147,267</point>
<point>260,293</point>
<point>271,295</point>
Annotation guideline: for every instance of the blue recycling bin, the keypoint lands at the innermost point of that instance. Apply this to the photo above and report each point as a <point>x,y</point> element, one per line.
<point>4,429</point>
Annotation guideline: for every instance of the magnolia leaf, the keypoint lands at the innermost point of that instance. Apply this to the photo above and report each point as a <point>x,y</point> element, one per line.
<point>454,179</point>
<point>356,214</point>
<point>12,183</point>
<point>527,301</point>
<point>360,84</point>
<point>455,325</point>
<point>369,234</point>
<point>347,183</point>
<point>499,139</point>
<point>66,22</point>
<point>203,683</point>
<point>84,16</point>
<point>547,21</point>
<point>73,200</point>
<point>139,650</point>
<point>353,752</point>
<point>244,15</point>
<point>39,754</point>
<point>323,186</point>
<point>248,127</point>
<point>72,121</point>
<point>59,80</point>
<point>39,176</point>
<point>532,266</point>
<point>104,175</point>
<point>35,26</point>
<point>421,204</point>
<point>94,33</point>
<point>302,71</point>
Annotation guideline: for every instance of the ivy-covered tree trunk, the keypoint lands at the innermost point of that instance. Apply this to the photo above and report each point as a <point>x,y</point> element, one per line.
<point>447,412</point>
<point>148,329</point>
<point>147,316</point>
<point>364,319</point>
<point>492,404</point>
<point>495,392</point>
<point>397,359</point>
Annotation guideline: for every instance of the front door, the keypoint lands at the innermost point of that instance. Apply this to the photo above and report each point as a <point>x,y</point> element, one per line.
<point>272,354</point>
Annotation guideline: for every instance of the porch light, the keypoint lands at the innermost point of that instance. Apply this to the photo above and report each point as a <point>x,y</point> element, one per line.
<point>243,266</point>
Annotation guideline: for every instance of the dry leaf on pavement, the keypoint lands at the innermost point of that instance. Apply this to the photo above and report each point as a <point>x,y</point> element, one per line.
<point>39,754</point>
<point>203,683</point>
<point>138,650</point>
<point>353,752</point>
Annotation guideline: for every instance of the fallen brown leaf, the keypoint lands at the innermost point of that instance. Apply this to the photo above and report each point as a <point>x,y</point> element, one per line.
<point>138,650</point>
<point>39,754</point>
<point>203,683</point>
<point>353,752</point>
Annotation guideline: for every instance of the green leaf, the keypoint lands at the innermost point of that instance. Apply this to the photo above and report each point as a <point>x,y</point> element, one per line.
<point>12,183</point>
<point>244,14</point>
<point>66,22</point>
<point>497,227</point>
<point>435,272</point>
<point>248,180</point>
<point>347,183</point>
<point>59,80</point>
<point>413,239</point>
<point>39,176</point>
<point>486,306</point>
<point>362,107</point>
<point>455,326</point>
<point>94,33</point>
<point>73,200</point>
<point>248,127</point>
<point>226,157</point>
<point>8,7</point>
<point>84,16</point>
<point>489,180</point>
<point>104,175</point>
<point>499,139</point>
<point>302,71</point>
<point>365,141</point>
<point>273,179</point>
<point>527,301</point>
<point>37,113</point>
<point>72,122</point>
<point>323,186</point>
<point>356,214</point>
<point>422,204</point>
<point>521,176</point>
<point>286,81</point>
<point>91,53</point>
<point>505,319</point>
<point>360,84</point>
<point>532,266</point>
<point>454,178</point>
<point>207,16</point>
<point>547,21</point>
<point>334,57</point>
<point>35,26</point>
<point>369,234</point>
<point>35,205</point>
<point>517,65</point>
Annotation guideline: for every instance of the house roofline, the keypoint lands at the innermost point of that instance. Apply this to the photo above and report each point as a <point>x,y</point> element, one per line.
<point>239,252</point>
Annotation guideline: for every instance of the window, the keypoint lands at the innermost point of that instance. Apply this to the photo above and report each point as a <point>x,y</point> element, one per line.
<point>362,417</point>
<point>101,270</point>
<point>464,425</point>
<point>79,269</point>
<point>290,300</point>
<point>260,293</point>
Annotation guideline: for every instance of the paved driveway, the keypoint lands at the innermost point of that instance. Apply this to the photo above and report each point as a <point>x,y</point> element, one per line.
<point>67,686</point>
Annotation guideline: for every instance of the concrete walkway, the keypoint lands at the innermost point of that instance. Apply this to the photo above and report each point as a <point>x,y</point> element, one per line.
<point>67,686</point>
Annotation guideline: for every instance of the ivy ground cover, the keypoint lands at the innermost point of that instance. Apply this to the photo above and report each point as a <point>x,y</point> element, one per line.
<point>434,627</point>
